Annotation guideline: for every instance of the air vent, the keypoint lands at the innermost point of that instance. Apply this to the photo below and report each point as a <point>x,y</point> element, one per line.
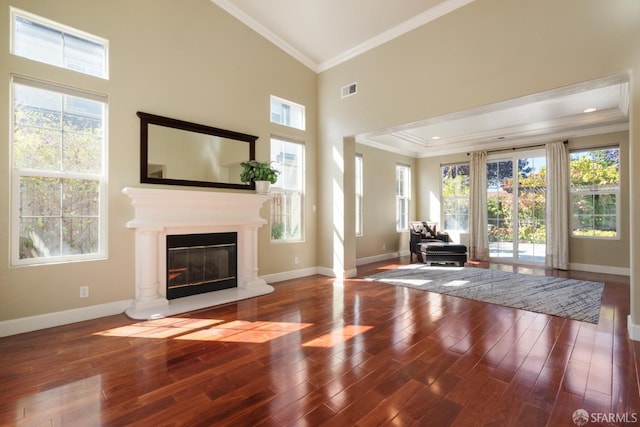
<point>350,89</point>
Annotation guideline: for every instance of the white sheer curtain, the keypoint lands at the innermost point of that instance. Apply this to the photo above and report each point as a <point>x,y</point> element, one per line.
<point>478,245</point>
<point>557,254</point>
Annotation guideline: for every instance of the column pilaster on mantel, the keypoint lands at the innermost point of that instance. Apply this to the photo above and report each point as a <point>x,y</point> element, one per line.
<point>147,295</point>
<point>160,212</point>
<point>250,245</point>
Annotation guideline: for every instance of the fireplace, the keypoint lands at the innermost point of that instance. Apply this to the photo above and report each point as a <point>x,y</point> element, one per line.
<point>160,215</point>
<point>199,263</point>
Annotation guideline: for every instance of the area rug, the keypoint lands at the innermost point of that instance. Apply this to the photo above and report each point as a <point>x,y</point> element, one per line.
<point>568,298</point>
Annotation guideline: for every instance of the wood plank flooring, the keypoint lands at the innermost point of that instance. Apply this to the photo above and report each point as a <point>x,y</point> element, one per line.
<point>338,353</point>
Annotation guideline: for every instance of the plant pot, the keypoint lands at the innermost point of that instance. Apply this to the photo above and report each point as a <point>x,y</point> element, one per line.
<point>262,187</point>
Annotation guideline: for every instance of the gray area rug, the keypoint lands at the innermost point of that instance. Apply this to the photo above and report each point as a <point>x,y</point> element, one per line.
<point>568,298</point>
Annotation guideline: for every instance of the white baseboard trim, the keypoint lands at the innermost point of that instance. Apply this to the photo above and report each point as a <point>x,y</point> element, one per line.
<point>326,271</point>
<point>634,330</point>
<point>594,268</point>
<point>377,258</point>
<point>329,272</point>
<point>49,320</point>
<point>293,274</point>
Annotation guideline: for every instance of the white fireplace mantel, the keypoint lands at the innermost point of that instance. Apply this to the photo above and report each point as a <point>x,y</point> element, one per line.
<point>160,212</point>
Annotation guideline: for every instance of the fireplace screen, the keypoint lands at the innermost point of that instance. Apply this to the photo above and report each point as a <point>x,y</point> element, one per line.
<point>199,263</point>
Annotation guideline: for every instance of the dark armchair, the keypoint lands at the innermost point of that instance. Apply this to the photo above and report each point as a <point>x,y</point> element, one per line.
<point>421,232</point>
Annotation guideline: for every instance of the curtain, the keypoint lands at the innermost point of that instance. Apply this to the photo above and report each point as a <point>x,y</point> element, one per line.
<point>557,253</point>
<point>478,245</point>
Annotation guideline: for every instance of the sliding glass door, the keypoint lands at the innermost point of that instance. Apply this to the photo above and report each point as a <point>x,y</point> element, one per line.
<point>516,207</point>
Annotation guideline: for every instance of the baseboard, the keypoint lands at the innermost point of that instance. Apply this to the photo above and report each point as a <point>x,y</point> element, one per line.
<point>353,272</point>
<point>329,272</point>
<point>634,330</point>
<point>594,268</point>
<point>293,274</point>
<point>49,320</point>
<point>381,257</point>
<point>326,271</point>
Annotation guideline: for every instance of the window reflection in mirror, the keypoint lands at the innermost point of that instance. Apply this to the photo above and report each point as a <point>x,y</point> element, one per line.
<point>182,153</point>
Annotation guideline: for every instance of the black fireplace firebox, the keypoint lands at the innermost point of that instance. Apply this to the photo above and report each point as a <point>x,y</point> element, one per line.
<point>199,263</point>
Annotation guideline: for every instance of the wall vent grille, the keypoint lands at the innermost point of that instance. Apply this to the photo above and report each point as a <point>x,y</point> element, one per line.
<point>348,90</point>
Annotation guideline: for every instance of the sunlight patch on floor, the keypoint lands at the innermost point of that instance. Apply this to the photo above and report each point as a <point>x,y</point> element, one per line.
<point>337,336</point>
<point>234,331</point>
<point>456,283</point>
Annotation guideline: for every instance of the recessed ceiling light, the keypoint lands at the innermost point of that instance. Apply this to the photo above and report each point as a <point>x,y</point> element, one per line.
<point>590,110</point>
<point>435,137</point>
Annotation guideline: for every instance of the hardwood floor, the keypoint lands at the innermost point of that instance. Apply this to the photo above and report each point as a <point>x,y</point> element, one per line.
<point>324,352</point>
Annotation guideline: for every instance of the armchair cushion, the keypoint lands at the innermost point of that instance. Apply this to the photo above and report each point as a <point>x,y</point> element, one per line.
<point>426,230</point>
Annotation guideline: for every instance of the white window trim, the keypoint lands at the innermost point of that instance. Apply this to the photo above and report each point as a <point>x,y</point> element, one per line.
<point>17,173</point>
<point>456,198</point>
<point>302,237</point>
<point>62,28</point>
<point>407,198</point>
<point>617,236</point>
<point>360,196</point>
<point>291,104</point>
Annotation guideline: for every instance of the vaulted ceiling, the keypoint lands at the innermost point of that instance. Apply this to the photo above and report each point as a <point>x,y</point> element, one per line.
<point>324,33</point>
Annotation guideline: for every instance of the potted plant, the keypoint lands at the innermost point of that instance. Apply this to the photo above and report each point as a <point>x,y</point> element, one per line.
<point>262,173</point>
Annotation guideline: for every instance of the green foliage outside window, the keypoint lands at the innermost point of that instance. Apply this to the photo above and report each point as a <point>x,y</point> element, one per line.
<point>57,159</point>
<point>595,178</point>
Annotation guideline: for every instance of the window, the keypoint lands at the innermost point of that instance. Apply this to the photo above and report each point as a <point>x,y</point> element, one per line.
<point>359,193</point>
<point>287,113</point>
<point>595,184</point>
<point>288,191</point>
<point>46,41</point>
<point>403,192</point>
<point>455,197</point>
<point>58,178</point>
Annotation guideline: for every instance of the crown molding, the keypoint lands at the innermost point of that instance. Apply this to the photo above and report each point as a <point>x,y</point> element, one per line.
<point>409,25</point>
<point>234,11</point>
<point>394,32</point>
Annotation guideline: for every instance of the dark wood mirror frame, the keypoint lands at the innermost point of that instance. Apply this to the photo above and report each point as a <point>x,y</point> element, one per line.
<point>147,119</point>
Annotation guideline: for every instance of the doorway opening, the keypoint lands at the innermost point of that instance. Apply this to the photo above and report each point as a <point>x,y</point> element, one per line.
<point>516,206</point>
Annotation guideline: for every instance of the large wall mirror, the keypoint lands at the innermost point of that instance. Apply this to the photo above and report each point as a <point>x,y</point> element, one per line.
<point>176,152</point>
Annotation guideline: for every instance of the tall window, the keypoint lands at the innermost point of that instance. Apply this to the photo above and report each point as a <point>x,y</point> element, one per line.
<point>287,113</point>
<point>595,184</point>
<point>46,41</point>
<point>359,194</point>
<point>403,196</point>
<point>287,193</point>
<point>455,197</point>
<point>58,173</point>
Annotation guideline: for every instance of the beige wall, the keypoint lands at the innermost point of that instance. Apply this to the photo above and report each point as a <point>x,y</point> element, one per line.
<point>485,52</point>
<point>185,60</point>
<point>598,254</point>
<point>379,203</point>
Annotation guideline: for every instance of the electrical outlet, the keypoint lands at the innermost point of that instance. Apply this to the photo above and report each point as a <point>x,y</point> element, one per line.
<point>295,260</point>
<point>84,291</point>
<point>384,246</point>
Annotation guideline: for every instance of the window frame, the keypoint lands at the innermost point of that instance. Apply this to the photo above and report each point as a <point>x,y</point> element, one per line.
<point>595,192</point>
<point>291,106</point>
<point>455,198</point>
<point>275,189</point>
<point>63,29</point>
<point>18,173</point>
<point>403,186</point>
<point>359,193</point>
